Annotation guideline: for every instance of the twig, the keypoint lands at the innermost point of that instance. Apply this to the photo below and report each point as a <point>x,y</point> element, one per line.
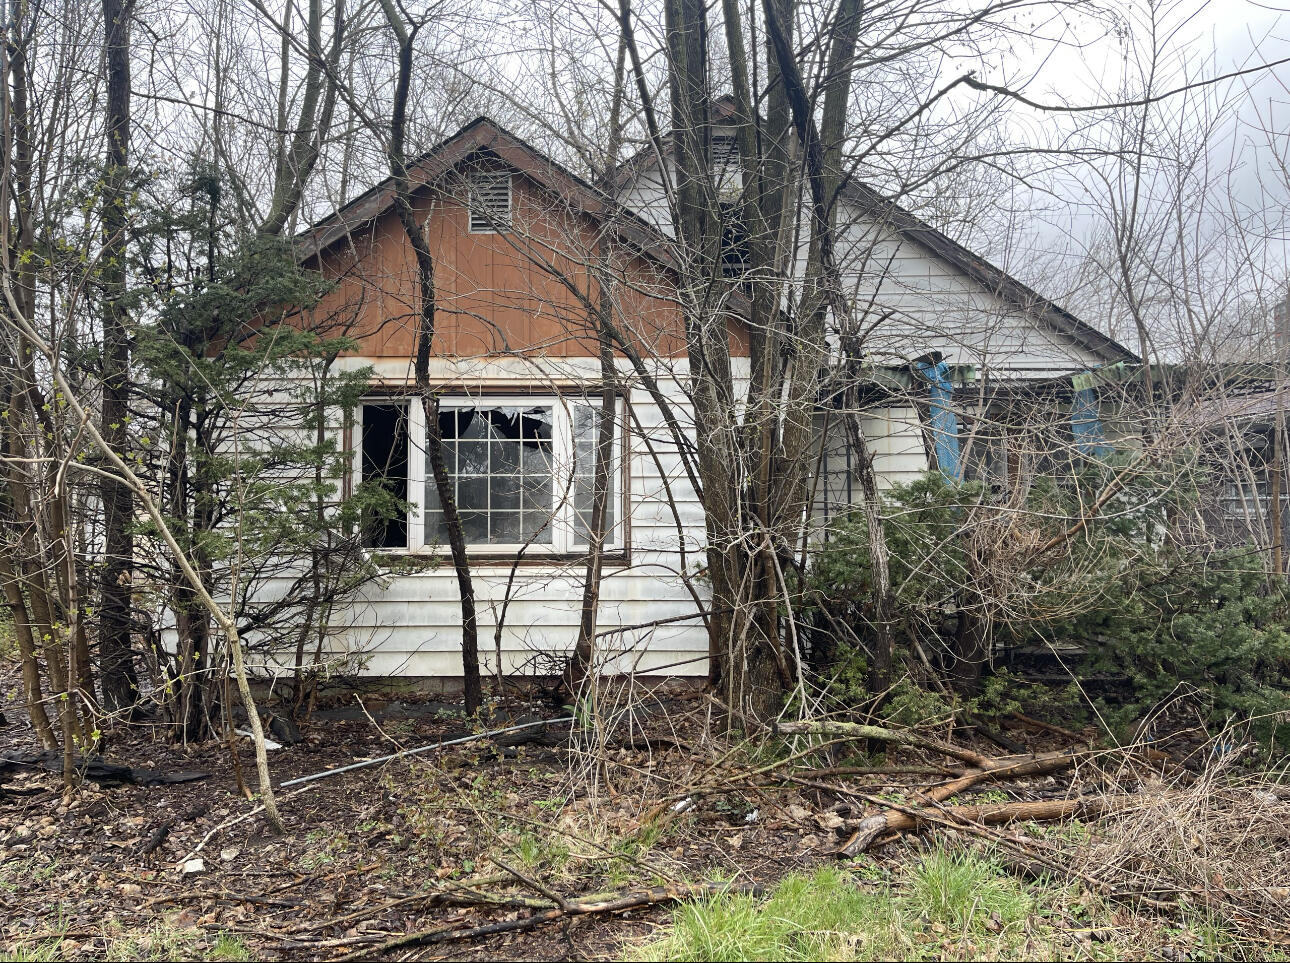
<point>436,896</point>
<point>420,749</point>
<point>904,737</point>
<point>232,821</point>
<point>613,903</point>
<point>533,884</point>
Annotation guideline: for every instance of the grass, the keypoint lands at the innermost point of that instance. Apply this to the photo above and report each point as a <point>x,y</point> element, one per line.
<point>819,917</point>
<point>945,905</point>
<point>536,853</point>
<point>965,893</point>
<point>46,952</point>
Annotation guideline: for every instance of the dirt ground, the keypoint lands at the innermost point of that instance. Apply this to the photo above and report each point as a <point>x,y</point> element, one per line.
<point>368,855</point>
<point>491,832</point>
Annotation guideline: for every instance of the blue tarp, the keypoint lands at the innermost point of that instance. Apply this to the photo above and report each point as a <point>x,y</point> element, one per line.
<point>944,423</point>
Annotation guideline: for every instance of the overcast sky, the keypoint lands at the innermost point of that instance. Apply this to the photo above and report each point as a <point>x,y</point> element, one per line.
<point>1198,40</point>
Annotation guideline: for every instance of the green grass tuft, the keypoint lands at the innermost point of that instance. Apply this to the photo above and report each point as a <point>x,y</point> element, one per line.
<point>819,917</point>
<point>966,893</point>
<point>945,905</point>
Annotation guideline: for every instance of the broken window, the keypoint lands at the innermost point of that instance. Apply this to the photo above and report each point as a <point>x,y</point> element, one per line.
<point>501,464</point>
<point>385,467</point>
<point>522,473</point>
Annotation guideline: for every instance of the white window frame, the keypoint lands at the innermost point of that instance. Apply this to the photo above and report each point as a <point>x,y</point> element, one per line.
<point>490,224</point>
<point>563,534</point>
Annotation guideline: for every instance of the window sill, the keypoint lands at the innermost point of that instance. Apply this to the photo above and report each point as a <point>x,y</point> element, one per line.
<point>410,561</point>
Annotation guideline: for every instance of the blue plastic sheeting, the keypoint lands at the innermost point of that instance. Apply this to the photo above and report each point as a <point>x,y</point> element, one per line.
<point>1086,423</point>
<point>944,423</point>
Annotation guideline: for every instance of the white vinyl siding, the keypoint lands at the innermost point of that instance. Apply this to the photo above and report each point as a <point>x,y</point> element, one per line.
<point>409,623</point>
<point>926,303</point>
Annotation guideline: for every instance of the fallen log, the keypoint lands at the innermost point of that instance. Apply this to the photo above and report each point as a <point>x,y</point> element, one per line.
<point>986,814</point>
<point>1005,768</point>
<point>591,905</point>
<point>1009,767</point>
<point>1049,727</point>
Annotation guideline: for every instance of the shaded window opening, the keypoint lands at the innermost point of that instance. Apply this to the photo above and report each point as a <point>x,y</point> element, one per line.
<point>385,466</point>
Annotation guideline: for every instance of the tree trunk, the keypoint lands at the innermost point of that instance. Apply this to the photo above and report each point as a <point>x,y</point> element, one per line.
<point>116,655</point>
<point>27,652</point>
<point>294,165</point>
<point>584,650</point>
<point>697,222</point>
<point>821,153</point>
<point>473,689</point>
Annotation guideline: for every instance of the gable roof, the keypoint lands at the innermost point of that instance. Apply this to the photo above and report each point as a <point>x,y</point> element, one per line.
<point>914,229</point>
<point>910,227</point>
<point>481,137</point>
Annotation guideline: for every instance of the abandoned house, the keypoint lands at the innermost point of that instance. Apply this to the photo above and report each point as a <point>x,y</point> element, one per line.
<point>516,240</point>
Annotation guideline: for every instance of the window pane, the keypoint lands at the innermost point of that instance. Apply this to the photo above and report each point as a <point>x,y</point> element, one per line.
<point>536,528</point>
<point>474,527</point>
<point>472,458</point>
<point>504,528</point>
<point>504,492</point>
<point>586,434</point>
<point>504,457</point>
<point>538,494</point>
<point>502,471</point>
<point>436,530</point>
<point>472,493</point>
<point>535,457</point>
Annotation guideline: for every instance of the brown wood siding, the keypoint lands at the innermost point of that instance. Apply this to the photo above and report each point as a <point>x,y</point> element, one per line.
<point>523,292</point>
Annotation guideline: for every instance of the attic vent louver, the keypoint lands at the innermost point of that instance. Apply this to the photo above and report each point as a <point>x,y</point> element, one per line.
<point>725,151</point>
<point>490,202</point>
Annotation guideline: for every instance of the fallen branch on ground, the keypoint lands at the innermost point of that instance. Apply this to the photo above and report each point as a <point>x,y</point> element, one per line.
<point>987,814</point>
<point>904,737</point>
<point>591,905</point>
<point>1049,727</point>
<point>1007,768</point>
